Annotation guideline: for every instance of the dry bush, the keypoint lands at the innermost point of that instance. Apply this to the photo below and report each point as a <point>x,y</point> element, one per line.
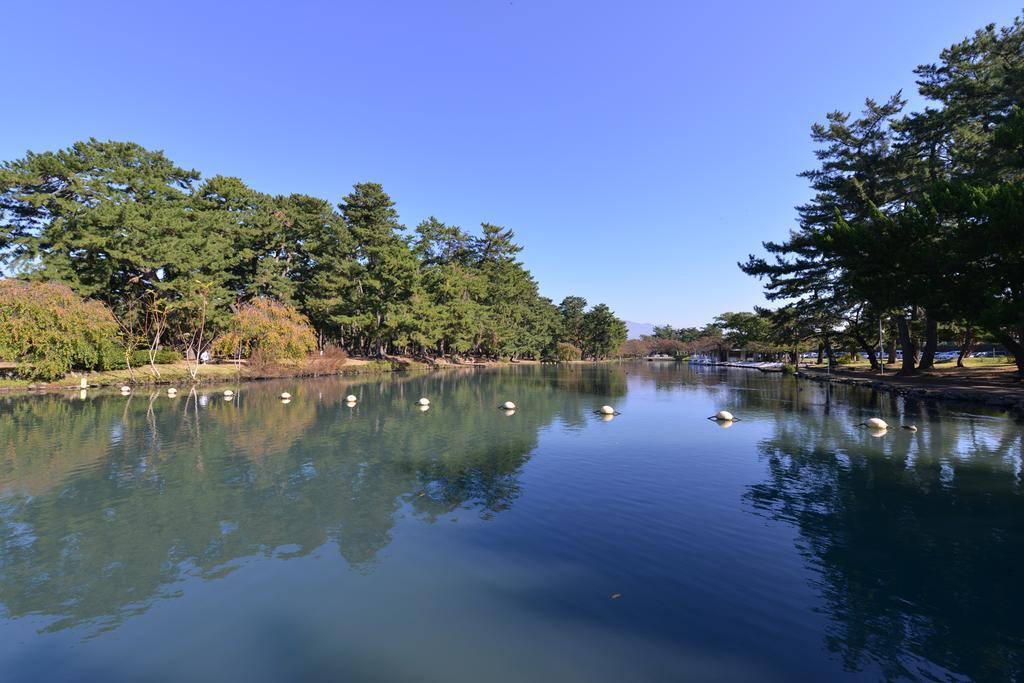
<point>330,362</point>
<point>635,348</point>
<point>567,352</point>
<point>266,331</point>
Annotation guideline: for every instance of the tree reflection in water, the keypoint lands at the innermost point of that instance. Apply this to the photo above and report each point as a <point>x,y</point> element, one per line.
<point>916,538</point>
<point>109,503</point>
<point>911,541</point>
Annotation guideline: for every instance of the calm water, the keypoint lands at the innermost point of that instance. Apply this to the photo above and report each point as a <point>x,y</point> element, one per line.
<point>198,539</point>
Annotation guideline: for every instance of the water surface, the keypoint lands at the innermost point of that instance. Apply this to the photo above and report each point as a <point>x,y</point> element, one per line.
<point>200,539</point>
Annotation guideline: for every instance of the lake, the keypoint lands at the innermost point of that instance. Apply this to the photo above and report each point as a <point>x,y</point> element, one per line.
<point>194,538</point>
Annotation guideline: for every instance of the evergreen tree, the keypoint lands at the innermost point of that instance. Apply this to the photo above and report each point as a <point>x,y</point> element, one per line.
<point>572,310</point>
<point>381,292</point>
<point>603,332</point>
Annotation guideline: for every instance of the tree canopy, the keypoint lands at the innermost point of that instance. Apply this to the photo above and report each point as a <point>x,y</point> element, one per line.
<point>180,260</point>
<point>916,217</point>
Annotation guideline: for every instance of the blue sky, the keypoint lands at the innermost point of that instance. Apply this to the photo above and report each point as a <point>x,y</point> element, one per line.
<point>638,149</point>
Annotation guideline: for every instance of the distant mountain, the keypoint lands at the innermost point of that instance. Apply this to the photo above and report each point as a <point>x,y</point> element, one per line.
<point>637,330</point>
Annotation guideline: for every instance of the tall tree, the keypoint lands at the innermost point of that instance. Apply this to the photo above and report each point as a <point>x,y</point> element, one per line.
<point>603,332</point>
<point>381,291</point>
<point>572,310</point>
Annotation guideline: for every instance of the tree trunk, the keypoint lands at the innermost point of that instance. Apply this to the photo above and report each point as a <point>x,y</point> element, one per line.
<point>870,350</point>
<point>892,352</point>
<point>1016,348</point>
<point>909,350</point>
<point>966,346</point>
<point>931,340</point>
<point>821,347</point>
<point>828,352</point>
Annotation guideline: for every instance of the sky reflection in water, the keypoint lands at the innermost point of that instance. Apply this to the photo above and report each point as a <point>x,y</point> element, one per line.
<point>194,537</point>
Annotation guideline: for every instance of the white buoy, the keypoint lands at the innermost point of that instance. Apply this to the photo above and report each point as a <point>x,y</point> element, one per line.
<point>84,383</point>
<point>285,394</point>
<point>286,401</point>
<point>228,398</point>
<point>724,416</point>
<point>607,410</point>
<point>508,405</point>
<point>171,391</point>
<point>228,393</point>
<point>425,407</point>
<point>351,398</point>
<point>877,423</point>
<point>126,389</point>
<point>424,401</point>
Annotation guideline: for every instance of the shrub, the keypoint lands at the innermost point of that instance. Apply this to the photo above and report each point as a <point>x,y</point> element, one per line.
<point>163,357</point>
<point>788,369</point>
<point>267,328</point>
<point>567,352</point>
<point>49,330</point>
<point>330,362</point>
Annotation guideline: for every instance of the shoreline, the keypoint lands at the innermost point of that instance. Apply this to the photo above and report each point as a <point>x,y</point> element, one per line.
<point>980,389</point>
<point>992,388</point>
<point>220,374</point>
<point>177,374</point>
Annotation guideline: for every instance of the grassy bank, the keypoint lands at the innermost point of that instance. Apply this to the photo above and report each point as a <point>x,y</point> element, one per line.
<point>941,367</point>
<point>991,381</point>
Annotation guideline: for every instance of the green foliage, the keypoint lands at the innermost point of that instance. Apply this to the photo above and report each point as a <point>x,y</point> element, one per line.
<point>162,356</point>
<point>48,330</point>
<point>603,333</point>
<point>744,329</point>
<point>173,255</point>
<point>272,329</point>
<point>679,334</point>
<point>915,218</point>
<point>572,310</point>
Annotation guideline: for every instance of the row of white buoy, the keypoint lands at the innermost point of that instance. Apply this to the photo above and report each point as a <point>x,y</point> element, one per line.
<point>724,418</point>
<point>877,425</point>
<point>508,407</point>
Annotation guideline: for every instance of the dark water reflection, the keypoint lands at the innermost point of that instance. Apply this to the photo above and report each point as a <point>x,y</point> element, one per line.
<point>195,537</point>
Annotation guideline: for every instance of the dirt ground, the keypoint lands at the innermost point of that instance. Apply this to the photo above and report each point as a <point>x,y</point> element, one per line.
<point>990,382</point>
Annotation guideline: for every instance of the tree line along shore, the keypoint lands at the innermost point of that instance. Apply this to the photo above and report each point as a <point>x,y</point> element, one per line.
<point>118,258</point>
<point>913,239</point>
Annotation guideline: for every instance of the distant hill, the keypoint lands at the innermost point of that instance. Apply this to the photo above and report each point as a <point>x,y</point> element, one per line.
<point>637,330</point>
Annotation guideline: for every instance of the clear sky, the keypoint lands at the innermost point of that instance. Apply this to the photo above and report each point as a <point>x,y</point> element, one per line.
<point>638,149</point>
